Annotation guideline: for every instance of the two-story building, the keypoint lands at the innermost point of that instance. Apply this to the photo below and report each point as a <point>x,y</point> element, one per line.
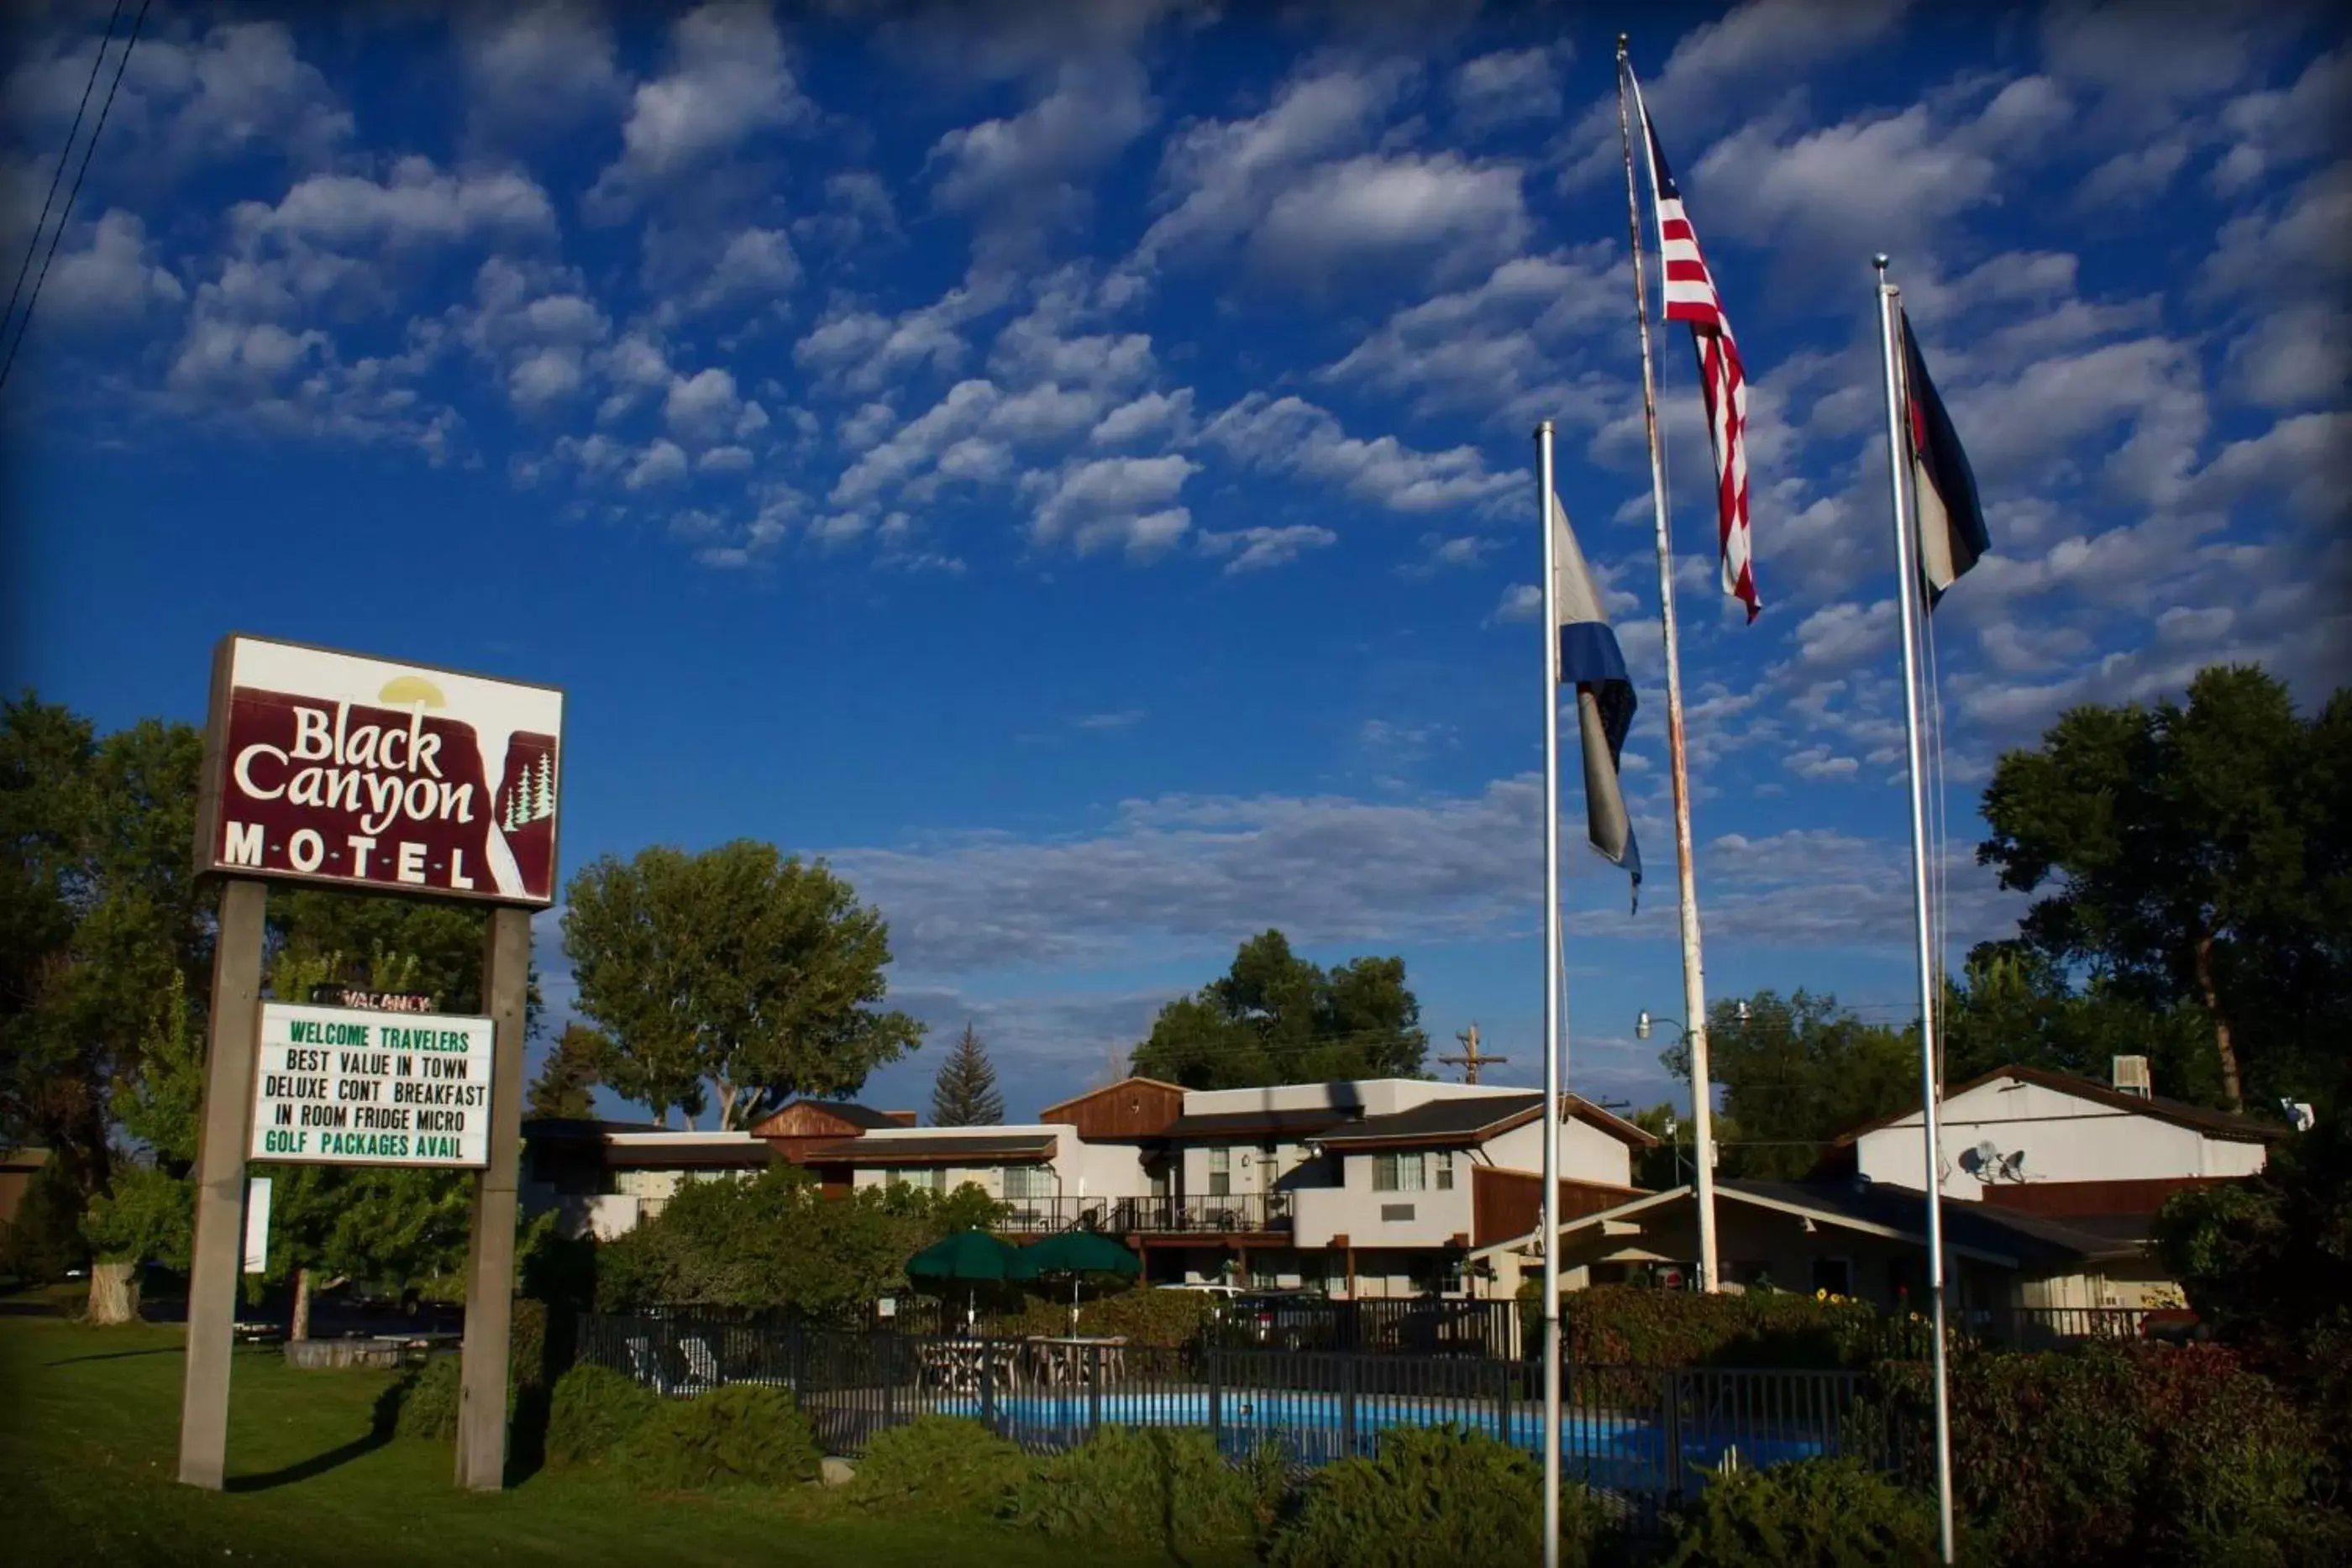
<point>2051,1184</point>
<point>1366,1187</point>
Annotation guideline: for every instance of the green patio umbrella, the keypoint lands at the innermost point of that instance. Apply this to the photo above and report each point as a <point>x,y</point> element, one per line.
<point>966,1258</point>
<point>1075,1253</point>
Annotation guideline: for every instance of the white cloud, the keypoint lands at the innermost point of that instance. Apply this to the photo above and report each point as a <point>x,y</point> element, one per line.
<point>861,350</point>
<point>1122,501</point>
<point>1288,435</point>
<point>1017,174</point>
<point>728,83</point>
<point>110,282</point>
<point>1255,550</point>
<point>1218,177</point>
<point>1159,414</point>
<point>918,444</point>
<point>2276,128</point>
<point>702,408</point>
<point>418,204</point>
<point>1759,46</point>
<point>2296,356</point>
<point>755,264</point>
<point>535,72</point>
<point>663,463</point>
<point>240,88</point>
<point>1502,346</point>
<point>1373,213</point>
<point>1509,87</point>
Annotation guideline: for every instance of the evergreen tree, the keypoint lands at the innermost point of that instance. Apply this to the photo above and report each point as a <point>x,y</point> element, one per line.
<point>566,1085</point>
<point>965,1096</point>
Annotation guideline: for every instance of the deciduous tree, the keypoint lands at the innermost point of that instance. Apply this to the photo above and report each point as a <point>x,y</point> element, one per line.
<point>736,975</point>
<point>2196,854</point>
<point>1275,1018</point>
<point>1796,1073</point>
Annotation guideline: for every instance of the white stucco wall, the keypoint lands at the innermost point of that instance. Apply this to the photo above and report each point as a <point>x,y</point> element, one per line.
<point>2065,1137</point>
<point>1585,1153</point>
<point>1108,1170</point>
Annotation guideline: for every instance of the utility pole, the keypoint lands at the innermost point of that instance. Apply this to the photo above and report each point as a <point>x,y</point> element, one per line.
<point>1470,1061</point>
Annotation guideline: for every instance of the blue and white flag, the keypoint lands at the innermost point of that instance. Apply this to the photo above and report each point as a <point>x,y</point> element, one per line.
<point>1590,661</point>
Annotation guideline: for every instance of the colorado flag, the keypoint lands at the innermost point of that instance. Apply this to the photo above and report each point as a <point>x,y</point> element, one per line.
<point>1590,661</point>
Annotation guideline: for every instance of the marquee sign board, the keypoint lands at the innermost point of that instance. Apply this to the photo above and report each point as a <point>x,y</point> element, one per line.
<point>377,775</point>
<point>348,1086</point>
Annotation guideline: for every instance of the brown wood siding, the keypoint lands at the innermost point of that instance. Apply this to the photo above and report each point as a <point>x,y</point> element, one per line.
<point>2056,1199</point>
<point>805,1122</point>
<point>1138,1108</point>
<point>1505,1204</point>
<point>796,1149</point>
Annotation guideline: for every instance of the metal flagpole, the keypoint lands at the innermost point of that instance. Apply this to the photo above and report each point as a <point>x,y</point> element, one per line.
<point>1907,596</point>
<point>1551,1019</point>
<point>1694,970</point>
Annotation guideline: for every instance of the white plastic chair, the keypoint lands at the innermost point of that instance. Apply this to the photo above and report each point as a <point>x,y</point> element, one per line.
<point>701,1364</point>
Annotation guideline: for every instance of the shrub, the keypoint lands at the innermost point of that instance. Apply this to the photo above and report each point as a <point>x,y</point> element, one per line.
<point>1156,1318</point>
<point>727,1436</point>
<point>1433,1499</point>
<point>423,1401</point>
<point>1816,1513</point>
<point>940,1464</point>
<point>1161,1487</point>
<point>2130,1454</point>
<point>1618,1324</point>
<point>593,1412</point>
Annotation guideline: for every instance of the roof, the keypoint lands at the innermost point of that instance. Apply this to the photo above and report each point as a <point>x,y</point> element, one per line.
<point>937,1149</point>
<point>2213,1124</point>
<point>849,1111</point>
<point>1609,1121</point>
<point>689,1153</point>
<point>580,1128</point>
<point>1468,1119</point>
<point>1300,1124</point>
<point>1047,1114</point>
<point>1979,1230</point>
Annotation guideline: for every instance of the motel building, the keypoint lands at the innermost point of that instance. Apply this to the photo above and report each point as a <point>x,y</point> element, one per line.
<point>1359,1190</point>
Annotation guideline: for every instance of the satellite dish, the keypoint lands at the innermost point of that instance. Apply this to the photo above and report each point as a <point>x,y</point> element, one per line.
<point>1987,1154</point>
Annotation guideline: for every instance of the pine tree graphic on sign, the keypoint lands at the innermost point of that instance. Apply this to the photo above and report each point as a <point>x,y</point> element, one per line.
<point>546,788</point>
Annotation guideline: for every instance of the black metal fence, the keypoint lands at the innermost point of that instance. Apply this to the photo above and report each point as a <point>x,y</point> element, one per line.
<point>1643,1433</point>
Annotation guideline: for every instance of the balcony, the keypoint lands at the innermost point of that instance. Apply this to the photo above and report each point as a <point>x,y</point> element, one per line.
<point>1237,1214</point>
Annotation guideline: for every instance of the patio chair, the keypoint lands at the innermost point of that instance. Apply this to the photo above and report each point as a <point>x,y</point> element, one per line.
<point>644,1366</point>
<point>702,1366</point>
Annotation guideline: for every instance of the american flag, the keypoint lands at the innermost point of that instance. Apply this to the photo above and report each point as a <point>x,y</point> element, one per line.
<point>1691,297</point>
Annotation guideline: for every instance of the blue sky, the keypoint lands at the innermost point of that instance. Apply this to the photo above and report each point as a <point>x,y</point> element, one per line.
<point>1070,466</point>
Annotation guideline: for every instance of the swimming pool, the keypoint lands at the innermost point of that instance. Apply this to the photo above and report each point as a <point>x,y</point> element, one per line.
<point>1619,1452</point>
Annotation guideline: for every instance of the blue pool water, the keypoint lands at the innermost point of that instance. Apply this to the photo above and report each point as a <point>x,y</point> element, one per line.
<point>1617,1452</point>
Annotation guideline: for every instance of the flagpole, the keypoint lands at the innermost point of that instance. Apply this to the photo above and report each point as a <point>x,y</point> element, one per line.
<point>1551,1009</point>
<point>1693,970</point>
<point>1906,595</point>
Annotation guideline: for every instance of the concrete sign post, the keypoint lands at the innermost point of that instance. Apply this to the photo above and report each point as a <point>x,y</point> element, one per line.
<point>383,778</point>
<point>219,1250</point>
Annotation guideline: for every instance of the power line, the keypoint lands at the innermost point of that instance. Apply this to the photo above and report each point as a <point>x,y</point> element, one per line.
<point>64,153</point>
<point>25,322</point>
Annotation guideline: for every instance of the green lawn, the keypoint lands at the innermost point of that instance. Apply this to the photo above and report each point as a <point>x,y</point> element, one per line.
<point>90,1431</point>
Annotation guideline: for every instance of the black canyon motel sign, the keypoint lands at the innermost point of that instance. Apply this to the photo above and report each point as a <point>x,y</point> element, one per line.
<point>337,767</point>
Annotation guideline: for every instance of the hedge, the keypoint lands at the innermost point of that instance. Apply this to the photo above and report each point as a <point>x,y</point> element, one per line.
<point>2130,1454</point>
<point>1628,1324</point>
<point>1434,1498</point>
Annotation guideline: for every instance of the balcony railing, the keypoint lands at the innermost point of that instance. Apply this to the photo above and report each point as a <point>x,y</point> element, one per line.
<point>1237,1214</point>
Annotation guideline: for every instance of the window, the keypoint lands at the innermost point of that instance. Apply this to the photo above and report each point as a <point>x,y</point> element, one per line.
<point>1834,1275</point>
<point>933,1178</point>
<point>1028,1181</point>
<point>1399,1173</point>
<point>1221,1172</point>
<point>1445,1158</point>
